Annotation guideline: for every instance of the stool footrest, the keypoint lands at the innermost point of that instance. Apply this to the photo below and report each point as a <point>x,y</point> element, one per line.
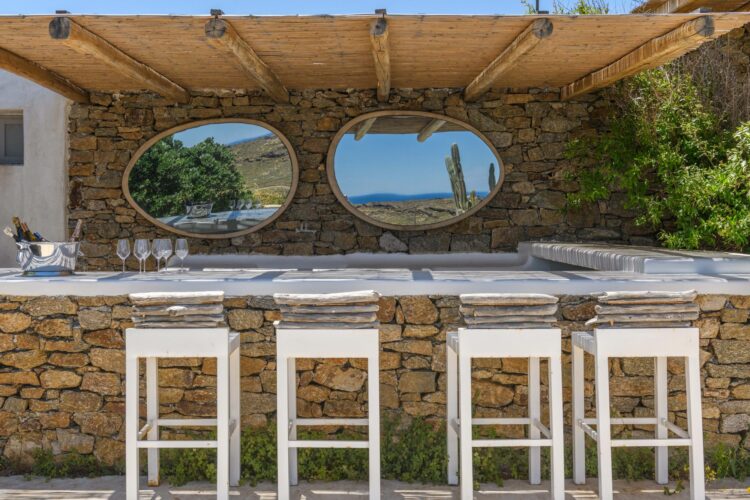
<point>509,443</point>
<point>327,421</point>
<point>456,423</point>
<point>185,422</point>
<point>634,443</point>
<point>625,421</point>
<point>176,444</point>
<point>329,444</point>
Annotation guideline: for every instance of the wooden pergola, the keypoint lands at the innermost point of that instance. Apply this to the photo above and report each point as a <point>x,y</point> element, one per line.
<point>174,55</point>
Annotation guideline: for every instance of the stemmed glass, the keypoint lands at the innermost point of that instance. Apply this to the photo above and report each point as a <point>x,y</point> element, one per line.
<point>123,251</point>
<point>181,251</point>
<point>164,251</point>
<point>155,245</point>
<point>141,252</point>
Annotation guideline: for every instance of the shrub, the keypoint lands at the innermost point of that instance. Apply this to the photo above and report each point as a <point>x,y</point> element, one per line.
<point>679,169</point>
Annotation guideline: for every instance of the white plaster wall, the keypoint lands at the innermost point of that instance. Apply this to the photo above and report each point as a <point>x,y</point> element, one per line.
<point>36,190</point>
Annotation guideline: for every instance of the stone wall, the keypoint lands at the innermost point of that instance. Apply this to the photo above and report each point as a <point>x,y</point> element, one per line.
<point>62,364</point>
<point>529,128</point>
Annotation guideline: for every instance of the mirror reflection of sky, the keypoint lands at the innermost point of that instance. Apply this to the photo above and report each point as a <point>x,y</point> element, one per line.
<point>223,133</point>
<point>399,164</point>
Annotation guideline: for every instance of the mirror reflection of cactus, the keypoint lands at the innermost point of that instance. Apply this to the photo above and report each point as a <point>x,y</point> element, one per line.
<point>458,184</point>
<point>492,180</point>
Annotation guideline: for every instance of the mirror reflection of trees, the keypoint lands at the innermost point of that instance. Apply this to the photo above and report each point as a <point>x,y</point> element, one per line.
<point>214,178</point>
<point>414,170</point>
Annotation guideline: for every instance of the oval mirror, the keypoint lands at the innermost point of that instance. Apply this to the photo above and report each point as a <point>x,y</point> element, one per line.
<point>213,179</point>
<point>410,170</point>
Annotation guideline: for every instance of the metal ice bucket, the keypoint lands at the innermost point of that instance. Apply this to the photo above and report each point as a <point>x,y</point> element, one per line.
<point>47,258</point>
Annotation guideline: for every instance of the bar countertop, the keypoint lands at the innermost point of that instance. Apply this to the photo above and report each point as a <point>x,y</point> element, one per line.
<point>394,281</point>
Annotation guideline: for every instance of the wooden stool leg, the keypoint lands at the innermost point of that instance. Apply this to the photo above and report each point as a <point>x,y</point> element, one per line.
<point>152,415</point>
<point>467,474</point>
<point>603,429</point>
<point>131,428</point>
<point>292,399</point>
<point>452,414</point>
<point>373,420</point>
<point>222,427</point>
<point>662,412</point>
<point>695,427</point>
<point>557,486</point>
<point>282,426</point>
<point>235,416</point>
<point>535,413</point>
<point>579,438</point>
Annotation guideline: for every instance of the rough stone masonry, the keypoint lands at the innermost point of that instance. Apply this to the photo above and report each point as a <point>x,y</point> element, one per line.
<point>62,371</point>
<point>529,128</point>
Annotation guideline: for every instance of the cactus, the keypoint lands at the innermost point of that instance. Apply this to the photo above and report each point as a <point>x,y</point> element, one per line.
<point>456,175</point>
<point>493,180</point>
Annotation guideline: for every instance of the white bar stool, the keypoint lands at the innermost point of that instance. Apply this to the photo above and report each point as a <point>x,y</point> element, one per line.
<point>324,343</point>
<point>534,344</point>
<point>155,343</point>
<point>659,343</point>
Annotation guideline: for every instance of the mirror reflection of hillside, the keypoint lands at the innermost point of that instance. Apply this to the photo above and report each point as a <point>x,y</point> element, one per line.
<point>414,170</point>
<point>214,178</point>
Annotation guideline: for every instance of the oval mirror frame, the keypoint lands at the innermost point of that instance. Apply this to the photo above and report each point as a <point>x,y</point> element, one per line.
<point>331,170</point>
<point>185,126</point>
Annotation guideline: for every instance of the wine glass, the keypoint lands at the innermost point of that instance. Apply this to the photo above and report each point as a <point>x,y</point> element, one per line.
<point>181,251</point>
<point>141,252</point>
<point>165,251</point>
<point>123,251</point>
<point>155,245</point>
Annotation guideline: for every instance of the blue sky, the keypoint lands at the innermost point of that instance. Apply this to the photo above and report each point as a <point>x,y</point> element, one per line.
<point>389,163</point>
<point>302,7</point>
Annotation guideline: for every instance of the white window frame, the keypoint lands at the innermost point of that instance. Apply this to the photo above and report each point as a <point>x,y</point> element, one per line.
<point>11,118</point>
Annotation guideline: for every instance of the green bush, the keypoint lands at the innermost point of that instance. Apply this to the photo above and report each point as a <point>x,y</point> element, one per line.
<point>412,450</point>
<point>679,169</point>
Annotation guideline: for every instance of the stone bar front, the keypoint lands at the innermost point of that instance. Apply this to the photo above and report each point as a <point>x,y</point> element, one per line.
<point>62,351</point>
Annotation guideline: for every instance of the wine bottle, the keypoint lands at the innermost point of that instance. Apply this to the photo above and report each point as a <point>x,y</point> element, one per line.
<point>77,231</point>
<point>27,234</point>
<point>19,229</point>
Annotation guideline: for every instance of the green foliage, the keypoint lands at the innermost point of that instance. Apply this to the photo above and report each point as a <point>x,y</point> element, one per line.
<point>413,451</point>
<point>679,169</point>
<point>67,465</point>
<point>580,7</point>
<point>571,8</point>
<point>169,174</point>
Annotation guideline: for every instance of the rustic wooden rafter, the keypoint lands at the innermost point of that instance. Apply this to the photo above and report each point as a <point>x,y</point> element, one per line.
<point>533,35</point>
<point>744,7</point>
<point>32,71</point>
<point>78,38</point>
<point>382,57</point>
<point>673,44</point>
<point>427,130</point>
<point>222,34</point>
<point>364,128</point>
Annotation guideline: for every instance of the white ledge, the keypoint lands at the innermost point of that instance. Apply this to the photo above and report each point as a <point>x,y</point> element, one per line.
<point>386,281</point>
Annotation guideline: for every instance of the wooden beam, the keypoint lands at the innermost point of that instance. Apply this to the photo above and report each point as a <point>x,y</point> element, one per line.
<point>535,33</point>
<point>382,57</point>
<point>678,6</point>
<point>42,76</point>
<point>78,38</point>
<point>223,35</point>
<point>364,128</point>
<point>743,8</point>
<point>428,129</point>
<point>657,51</point>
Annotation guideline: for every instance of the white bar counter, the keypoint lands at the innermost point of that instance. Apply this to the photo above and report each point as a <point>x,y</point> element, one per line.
<point>388,282</point>
<point>537,267</point>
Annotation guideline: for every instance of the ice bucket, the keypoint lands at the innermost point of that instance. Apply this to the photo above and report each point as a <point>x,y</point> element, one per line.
<point>47,258</point>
